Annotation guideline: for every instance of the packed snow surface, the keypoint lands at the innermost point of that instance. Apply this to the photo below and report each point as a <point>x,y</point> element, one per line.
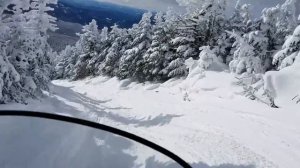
<point>204,119</point>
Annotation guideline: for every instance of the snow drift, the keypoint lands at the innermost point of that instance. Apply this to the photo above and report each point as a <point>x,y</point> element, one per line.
<point>285,84</point>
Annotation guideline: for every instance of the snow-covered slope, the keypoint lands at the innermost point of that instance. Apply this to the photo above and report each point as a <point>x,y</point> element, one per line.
<point>205,122</point>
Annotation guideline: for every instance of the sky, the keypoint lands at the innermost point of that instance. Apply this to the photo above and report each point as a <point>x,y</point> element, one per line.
<point>162,5</point>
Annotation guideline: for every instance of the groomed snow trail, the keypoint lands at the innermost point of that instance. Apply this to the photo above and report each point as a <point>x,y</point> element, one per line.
<point>206,123</point>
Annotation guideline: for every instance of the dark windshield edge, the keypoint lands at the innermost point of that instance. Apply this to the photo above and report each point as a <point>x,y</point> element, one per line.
<point>91,124</point>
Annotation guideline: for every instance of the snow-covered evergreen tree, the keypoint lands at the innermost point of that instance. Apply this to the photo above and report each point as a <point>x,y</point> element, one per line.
<point>287,20</point>
<point>155,55</point>
<point>39,52</point>
<point>161,52</point>
<point>185,40</point>
<point>208,20</point>
<point>171,54</point>
<point>66,62</point>
<point>241,20</point>
<point>177,68</point>
<point>247,56</point>
<point>132,63</point>
<point>23,28</point>
<point>289,52</point>
<point>265,38</point>
<point>269,28</point>
<point>185,43</point>
<point>223,48</point>
<point>103,44</point>
<point>207,57</point>
<point>117,39</point>
<point>277,23</point>
<point>88,44</point>
<point>209,23</point>
<point>9,78</point>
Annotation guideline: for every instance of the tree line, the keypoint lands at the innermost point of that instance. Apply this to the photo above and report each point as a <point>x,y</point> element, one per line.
<point>157,47</point>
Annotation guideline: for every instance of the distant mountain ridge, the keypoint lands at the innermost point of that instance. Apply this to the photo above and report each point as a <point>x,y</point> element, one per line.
<point>72,14</point>
<point>106,14</point>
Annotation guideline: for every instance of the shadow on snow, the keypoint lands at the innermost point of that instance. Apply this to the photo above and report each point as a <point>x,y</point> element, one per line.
<point>66,99</point>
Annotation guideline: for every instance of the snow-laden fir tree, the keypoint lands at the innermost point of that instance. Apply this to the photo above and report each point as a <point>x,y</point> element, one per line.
<point>176,68</point>
<point>9,78</point>
<point>95,63</point>
<point>66,62</point>
<point>25,25</point>
<point>117,39</point>
<point>289,52</point>
<point>207,57</point>
<point>185,40</point>
<point>163,52</point>
<point>203,25</point>
<point>246,56</point>
<point>241,20</point>
<point>183,43</point>
<point>223,48</point>
<point>183,50</point>
<point>155,56</point>
<point>287,20</point>
<point>277,23</point>
<point>39,51</point>
<point>88,44</point>
<point>206,18</point>
<point>132,63</point>
<point>265,39</point>
<point>260,43</point>
<point>213,13</point>
<point>169,55</point>
<point>269,27</point>
<point>241,23</point>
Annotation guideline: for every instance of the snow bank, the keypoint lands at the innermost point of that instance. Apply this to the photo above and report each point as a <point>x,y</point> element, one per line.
<point>285,84</point>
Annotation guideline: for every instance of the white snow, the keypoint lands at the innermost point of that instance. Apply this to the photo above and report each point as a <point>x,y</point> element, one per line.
<point>285,84</point>
<point>205,122</point>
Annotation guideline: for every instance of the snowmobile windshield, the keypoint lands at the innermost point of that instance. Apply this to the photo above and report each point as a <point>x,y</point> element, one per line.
<point>39,140</point>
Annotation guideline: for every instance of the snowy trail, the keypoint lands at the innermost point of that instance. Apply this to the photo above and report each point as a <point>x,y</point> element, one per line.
<point>216,129</point>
